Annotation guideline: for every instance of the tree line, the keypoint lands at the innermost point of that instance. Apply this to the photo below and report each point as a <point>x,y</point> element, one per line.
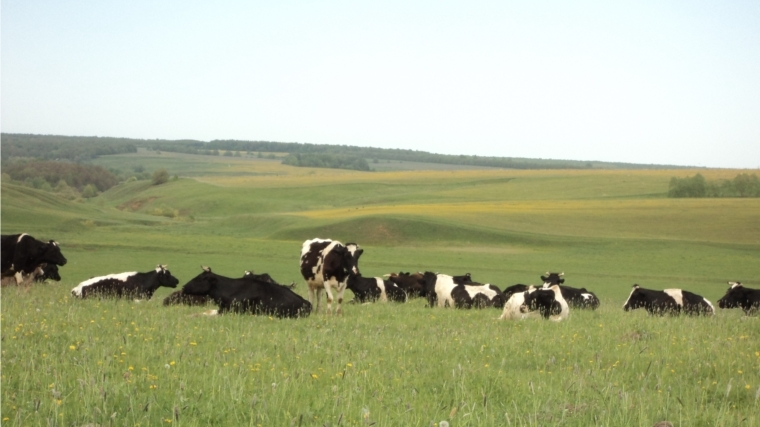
<point>85,148</point>
<point>332,161</point>
<point>743,185</point>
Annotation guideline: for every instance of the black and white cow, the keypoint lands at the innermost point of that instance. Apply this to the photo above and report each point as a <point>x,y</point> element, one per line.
<point>326,264</point>
<point>370,289</point>
<point>49,271</point>
<point>126,285</point>
<point>412,284</point>
<point>26,279</point>
<point>513,306</point>
<point>511,290</point>
<point>451,291</point>
<point>548,303</point>
<point>485,295</point>
<point>22,254</point>
<point>576,298</point>
<point>739,296</point>
<point>248,295</point>
<point>673,301</point>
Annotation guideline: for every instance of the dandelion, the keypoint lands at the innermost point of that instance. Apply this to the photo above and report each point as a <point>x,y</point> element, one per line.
<point>171,363</point>
<point>193,343</point>
<point>349,364</point>
<point>71,347</point>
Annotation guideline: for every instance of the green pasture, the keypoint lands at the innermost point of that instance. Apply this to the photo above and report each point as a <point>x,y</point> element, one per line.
<point>70,362</point>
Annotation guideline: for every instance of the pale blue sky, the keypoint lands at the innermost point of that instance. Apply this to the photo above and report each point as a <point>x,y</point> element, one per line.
<point>647,82</point>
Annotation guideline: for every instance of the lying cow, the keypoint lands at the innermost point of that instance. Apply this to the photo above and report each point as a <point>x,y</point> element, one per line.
<point>412,284</point>
<point>576,298</point>
<point>248,295</point>
<point>451,291</point>
<point>673,301</point>
<point>181,298</point>
<point>126,285</point>
<point>511,290</point>
<point>513,306</point>
<point>739,296</point>
<point>370,289</point>
<point>548,302</point>
<point>326,264</point>
<point>482,296</point>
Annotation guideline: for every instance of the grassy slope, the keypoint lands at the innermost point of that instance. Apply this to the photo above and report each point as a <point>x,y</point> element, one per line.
<point>605,229</point>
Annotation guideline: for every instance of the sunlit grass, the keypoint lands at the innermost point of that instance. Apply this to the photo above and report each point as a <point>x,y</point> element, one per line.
<point>148,364</point>
<point>72,362</point>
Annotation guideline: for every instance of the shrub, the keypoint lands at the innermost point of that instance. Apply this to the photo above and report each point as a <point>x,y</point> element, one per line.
<point>160,176</point>
<point>89,191</point>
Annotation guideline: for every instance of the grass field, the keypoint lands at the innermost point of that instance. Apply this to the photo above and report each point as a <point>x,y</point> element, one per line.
<point>67,362</point>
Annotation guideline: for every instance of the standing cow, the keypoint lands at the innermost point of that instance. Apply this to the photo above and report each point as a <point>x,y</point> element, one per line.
<point>22,254</point>
<point>673,301</point>
<point>326,264</point>
<point>739,296</point>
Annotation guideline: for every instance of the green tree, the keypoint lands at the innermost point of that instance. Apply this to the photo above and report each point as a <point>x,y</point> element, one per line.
<point>160,176</point>
<point>89,191</point>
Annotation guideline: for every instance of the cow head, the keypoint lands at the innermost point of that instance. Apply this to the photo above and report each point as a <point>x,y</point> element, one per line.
<point>50,253</point>
<point>553,278</point>
<point>542,300</point>
<point>350,257</point>
<point>50,271</point>
<point>637,299</point>
<point>165,277</point>
<point>463,279</point>
<point>201,284</point>
<point>734,295</point>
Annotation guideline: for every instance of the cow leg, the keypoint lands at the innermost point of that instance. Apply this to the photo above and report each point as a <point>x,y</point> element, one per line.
<point>341,289</point>
<point>328,285</point>
<point>311,297</point>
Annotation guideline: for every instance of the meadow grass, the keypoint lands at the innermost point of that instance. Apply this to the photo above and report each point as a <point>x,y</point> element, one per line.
<point>74,362</point>
<point>67,362</point>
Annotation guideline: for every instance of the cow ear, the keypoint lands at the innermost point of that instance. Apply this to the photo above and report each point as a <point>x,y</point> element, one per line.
<point>359,252</point>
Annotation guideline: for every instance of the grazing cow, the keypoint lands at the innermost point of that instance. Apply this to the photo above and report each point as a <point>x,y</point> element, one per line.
<point>248,295</point>
<point>49,271</point>
<point>548,302</point>
<point>26,279</point>
<point>126,285</point>
<point>370,289</point>
<point>443,290</point>
<point>673,301</point>
<point>739,296</point>
<point>576,298</point>
<point>412,284</point>
<point>22,254</point>
<point>326,264</point>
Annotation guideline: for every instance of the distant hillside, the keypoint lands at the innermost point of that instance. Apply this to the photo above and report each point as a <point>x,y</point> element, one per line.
<point>342,156</point>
